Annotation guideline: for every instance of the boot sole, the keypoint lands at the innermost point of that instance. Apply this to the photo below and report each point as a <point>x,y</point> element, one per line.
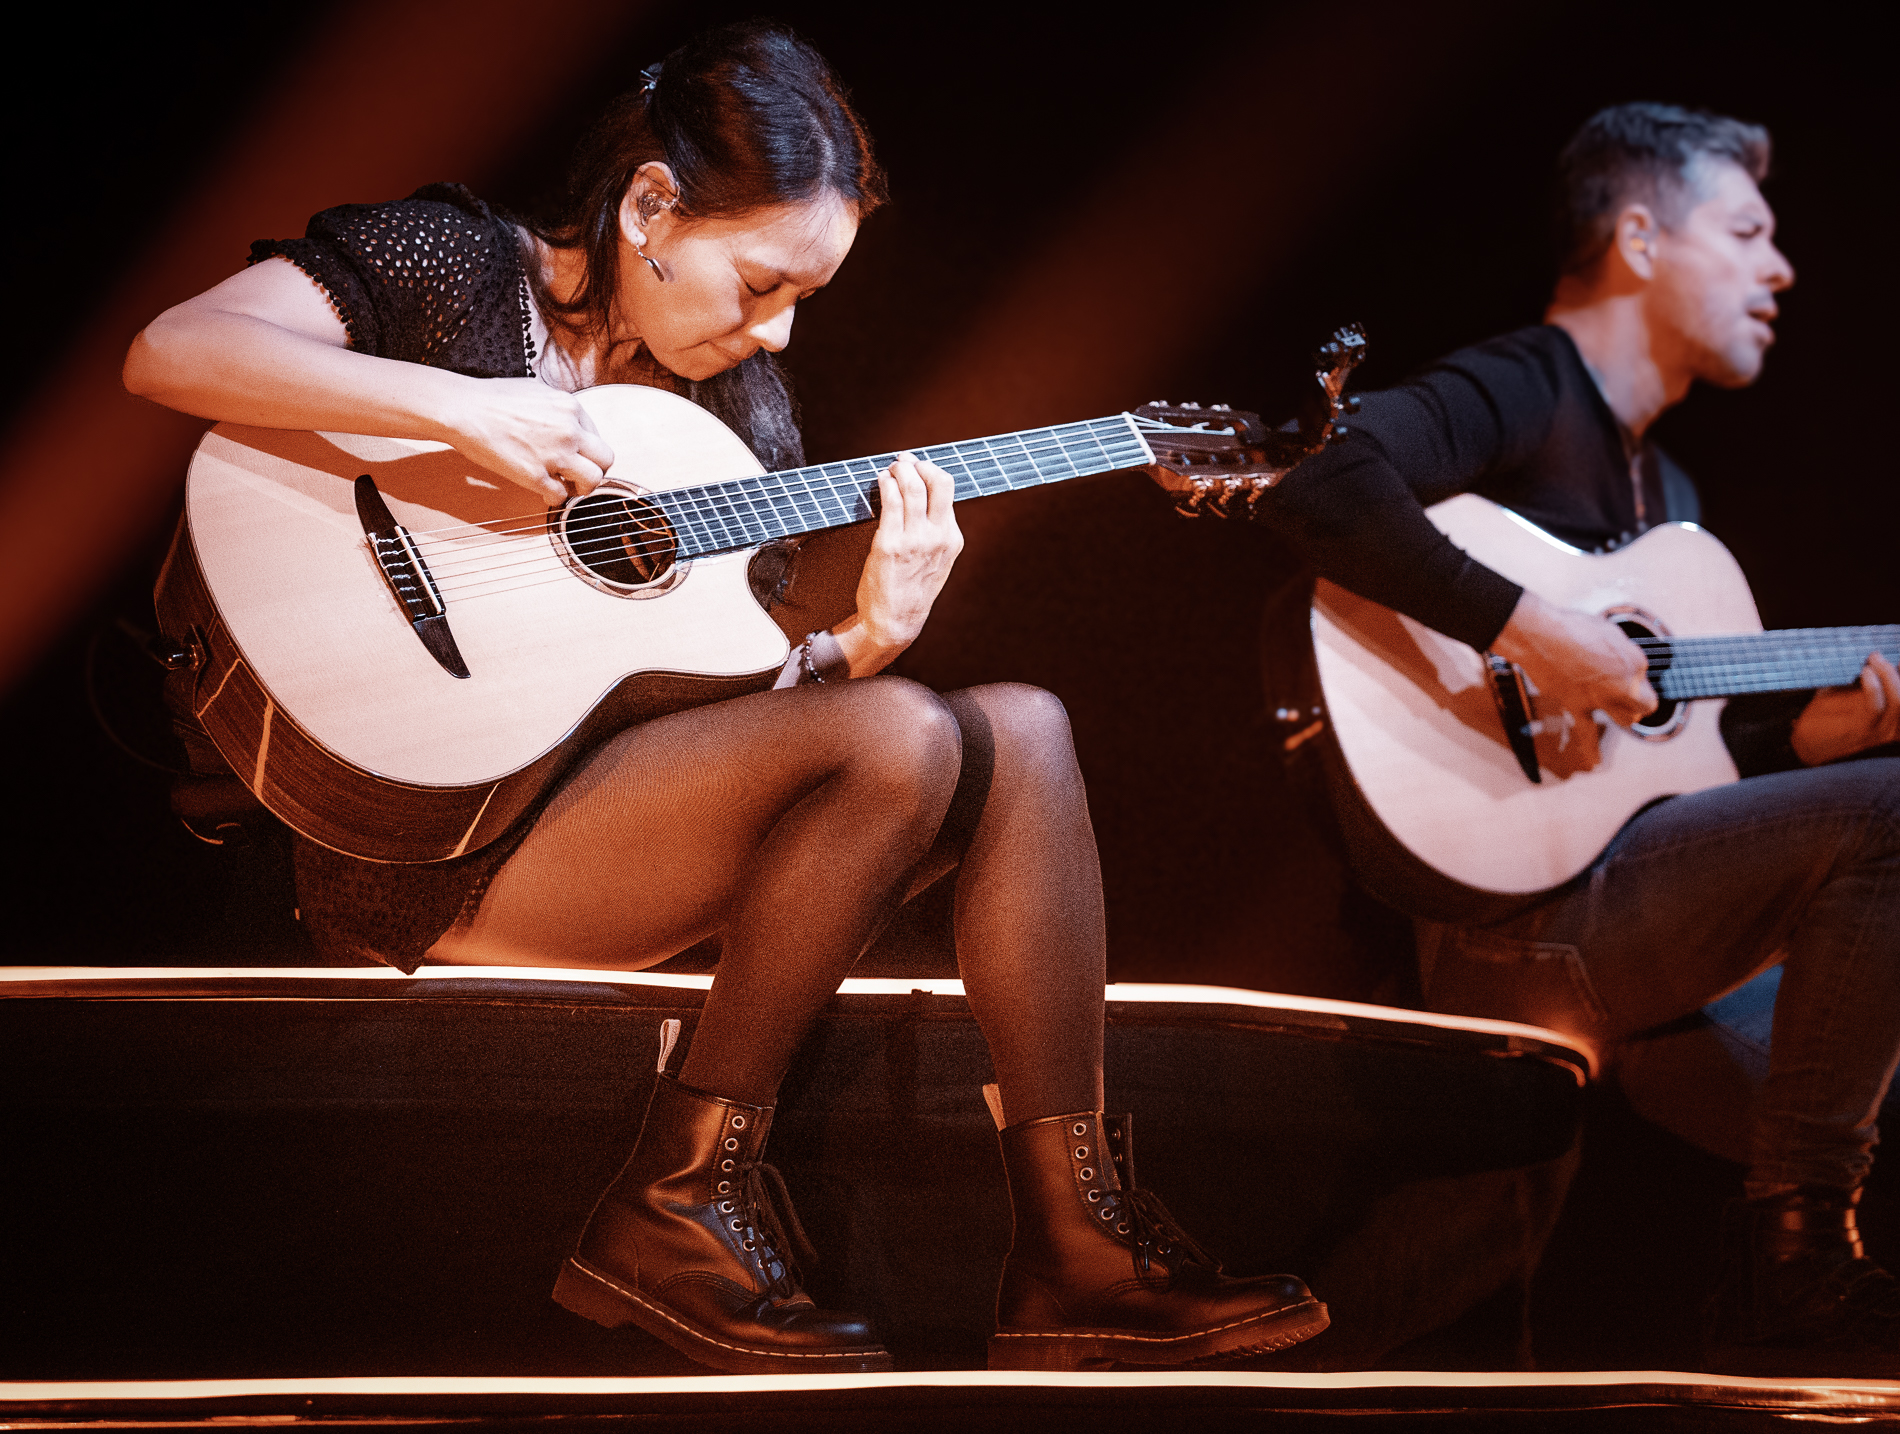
<point>1072,1349</point>
<point>593,1296</point>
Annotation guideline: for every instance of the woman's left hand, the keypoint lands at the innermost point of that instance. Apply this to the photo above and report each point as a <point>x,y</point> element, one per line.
<point>917,541</point>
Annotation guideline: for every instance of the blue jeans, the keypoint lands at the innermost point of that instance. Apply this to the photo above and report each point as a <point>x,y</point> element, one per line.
<point>1694,897</point>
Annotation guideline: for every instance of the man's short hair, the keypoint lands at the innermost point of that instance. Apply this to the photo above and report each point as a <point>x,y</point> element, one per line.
<point>1640,154</point>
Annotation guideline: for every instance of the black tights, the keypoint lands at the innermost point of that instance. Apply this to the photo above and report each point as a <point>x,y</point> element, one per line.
<point>793,823</point>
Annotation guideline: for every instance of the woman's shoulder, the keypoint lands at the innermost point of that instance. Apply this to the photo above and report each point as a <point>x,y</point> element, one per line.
<point>436,220</point>
<point>435,278</point>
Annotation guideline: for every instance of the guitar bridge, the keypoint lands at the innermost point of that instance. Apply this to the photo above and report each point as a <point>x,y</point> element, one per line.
<point>408,576</point>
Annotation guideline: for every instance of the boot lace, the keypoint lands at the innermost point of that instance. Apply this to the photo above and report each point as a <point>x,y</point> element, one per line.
<point>770,1220</point>
<point>1141,1218</point>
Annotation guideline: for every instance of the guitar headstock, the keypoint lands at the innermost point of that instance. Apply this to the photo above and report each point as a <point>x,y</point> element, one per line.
<point>1210,456</point>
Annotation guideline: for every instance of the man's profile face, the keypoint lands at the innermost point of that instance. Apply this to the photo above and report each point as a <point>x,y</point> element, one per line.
<point>1717,272</point>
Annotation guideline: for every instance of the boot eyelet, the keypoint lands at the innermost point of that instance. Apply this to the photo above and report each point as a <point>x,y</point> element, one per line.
<point>1094,1195</point>
<point>737,1226</point>
<point>738,1122</point>
<point>725,1165</point>
<point>1109,1214</point>
<point>1085,1173</point>
<point>731,1144</point>
<point>725,1207</point>
<point>749,1245</point>
<point>1081,1152</point>
<point>724,1186</point>
<point>1080,1128</point>
<point>1163,1249</point>
<point>1121,1229</point>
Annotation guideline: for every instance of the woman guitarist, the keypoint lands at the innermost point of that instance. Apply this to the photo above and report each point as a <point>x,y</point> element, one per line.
<point>790,822</point>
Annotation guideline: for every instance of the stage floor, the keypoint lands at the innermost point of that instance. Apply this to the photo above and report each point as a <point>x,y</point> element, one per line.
<point>965,1400</point>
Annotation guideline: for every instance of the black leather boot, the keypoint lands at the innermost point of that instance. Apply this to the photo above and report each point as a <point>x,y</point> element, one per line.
<point>1798,1296</point>
<point>695,1243</point>
<point>1098,1272</point>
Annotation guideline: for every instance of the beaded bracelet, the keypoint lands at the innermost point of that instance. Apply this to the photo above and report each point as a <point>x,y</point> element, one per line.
<point>808,667</point>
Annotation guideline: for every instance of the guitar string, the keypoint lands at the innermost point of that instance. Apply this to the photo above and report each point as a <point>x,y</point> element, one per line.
<point>609,538</point>
<point>749,503</point>
<point>1028,442</point>
<point>462,564</point>
<point>1787,659</point>
<point>458,563</point>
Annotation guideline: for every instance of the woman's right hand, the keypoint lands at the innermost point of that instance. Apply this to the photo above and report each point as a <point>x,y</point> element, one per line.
<point>537,436</point>
<point>266,348</point>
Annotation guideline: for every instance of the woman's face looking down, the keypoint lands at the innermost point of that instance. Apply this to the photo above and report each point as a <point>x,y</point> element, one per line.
<point>732,284</point>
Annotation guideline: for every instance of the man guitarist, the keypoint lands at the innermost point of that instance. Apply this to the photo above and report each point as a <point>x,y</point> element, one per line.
<point>1669,275</point>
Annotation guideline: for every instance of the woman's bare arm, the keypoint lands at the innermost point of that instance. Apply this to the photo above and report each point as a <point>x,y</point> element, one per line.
<point>265,348</point>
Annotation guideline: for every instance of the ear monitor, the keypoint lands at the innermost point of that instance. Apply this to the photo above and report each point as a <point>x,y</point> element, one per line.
<point>649,205</point>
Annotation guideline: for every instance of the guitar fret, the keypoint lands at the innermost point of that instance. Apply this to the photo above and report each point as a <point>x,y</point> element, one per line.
<point>742,512</point>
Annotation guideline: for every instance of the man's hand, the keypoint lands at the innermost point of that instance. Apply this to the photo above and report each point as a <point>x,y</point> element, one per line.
<point>1841,721</point>
<point>1577,663</point>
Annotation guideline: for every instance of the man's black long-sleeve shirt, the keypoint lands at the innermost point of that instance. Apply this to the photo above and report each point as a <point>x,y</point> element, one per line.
<point>1520,421</point>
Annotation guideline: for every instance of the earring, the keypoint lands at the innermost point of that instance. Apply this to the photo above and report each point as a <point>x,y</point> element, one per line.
<point>650,204</point>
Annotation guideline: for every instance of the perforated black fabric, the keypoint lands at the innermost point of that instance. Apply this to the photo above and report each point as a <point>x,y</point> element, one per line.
<point>433,279</point>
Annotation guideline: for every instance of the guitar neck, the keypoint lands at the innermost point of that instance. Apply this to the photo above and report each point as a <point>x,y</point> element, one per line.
<point>744,512</point>
<point>1788,660</point>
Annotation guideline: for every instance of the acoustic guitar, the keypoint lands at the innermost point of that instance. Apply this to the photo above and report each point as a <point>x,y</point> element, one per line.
<point>1442,766</point>
<point>397,660</point>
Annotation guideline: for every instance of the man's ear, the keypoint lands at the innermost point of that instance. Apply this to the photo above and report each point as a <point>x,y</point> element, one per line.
<point>1634,241</point>
<point>653,192</point>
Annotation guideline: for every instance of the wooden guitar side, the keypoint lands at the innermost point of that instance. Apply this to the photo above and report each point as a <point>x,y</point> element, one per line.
<point>1415,722</point>
<point>388,756</point>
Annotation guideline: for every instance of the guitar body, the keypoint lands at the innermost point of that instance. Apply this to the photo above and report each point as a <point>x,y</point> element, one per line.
<point>389,756</point>
<point>1424,751</point>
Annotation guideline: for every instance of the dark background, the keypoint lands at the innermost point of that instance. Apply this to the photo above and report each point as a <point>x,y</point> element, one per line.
<point>1087,213</point>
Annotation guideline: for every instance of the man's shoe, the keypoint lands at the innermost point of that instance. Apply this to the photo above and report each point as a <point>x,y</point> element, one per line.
<point>1797,1296</point>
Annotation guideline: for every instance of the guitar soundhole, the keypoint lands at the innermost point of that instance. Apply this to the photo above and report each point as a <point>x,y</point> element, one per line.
<point>620,541</point>
<point>1669,716</point>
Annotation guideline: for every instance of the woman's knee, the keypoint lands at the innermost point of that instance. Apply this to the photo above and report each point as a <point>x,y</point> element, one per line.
<point>903,731</point>
<point>1028,719</point>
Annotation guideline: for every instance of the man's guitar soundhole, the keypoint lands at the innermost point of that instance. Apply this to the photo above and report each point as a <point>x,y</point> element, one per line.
<point>620,541</point>
<point>1669,716</point>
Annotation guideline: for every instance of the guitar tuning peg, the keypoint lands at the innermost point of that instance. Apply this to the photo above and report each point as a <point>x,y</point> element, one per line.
<point>1223,408</point>
<point>1351,405</point>
<point>1190,405</point>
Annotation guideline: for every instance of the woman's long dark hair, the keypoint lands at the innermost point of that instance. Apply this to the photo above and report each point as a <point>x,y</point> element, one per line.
<point>747,116</point>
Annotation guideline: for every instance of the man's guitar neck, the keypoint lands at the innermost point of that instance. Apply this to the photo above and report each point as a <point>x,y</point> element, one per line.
<point>1787,660</point>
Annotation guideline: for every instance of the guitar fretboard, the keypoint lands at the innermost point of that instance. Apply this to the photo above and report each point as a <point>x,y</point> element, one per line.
<point>1787,660</point>
<point>744,512</point>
